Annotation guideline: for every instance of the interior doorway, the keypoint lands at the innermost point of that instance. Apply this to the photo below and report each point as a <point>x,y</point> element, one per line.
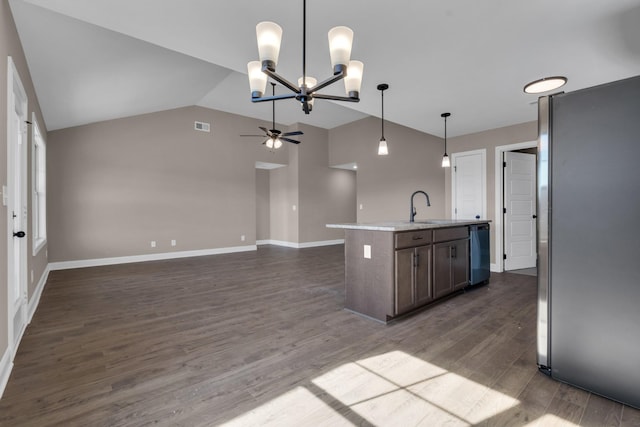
<point>469,185</point>
<point>499,242</point>
<point>15,198</point>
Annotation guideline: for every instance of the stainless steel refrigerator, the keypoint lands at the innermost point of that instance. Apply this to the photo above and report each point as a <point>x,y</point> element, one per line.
<point>589,239</point>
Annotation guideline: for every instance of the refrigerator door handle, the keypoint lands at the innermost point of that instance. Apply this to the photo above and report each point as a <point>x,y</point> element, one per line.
<point>543,213</point>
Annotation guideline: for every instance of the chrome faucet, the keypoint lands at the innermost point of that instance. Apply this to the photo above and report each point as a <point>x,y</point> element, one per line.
<point>413,209</point>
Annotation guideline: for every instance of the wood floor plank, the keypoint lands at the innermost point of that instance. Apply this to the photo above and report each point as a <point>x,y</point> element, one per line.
<point>262,338</point>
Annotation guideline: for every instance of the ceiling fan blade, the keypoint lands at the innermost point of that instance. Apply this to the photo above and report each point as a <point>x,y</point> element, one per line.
<point>293,141</point>
<point>293,133</point>
<point>264,129</point>
<point>253,135</point>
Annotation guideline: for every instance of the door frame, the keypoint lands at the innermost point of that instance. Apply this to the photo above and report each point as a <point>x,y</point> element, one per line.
<point>499,198</point>
<point>16,93</point>
<point>483,155</point>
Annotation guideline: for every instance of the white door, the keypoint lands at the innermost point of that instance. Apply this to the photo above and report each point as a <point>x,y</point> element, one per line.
<point>16,208</point>
<point>519,210</point>
<point>468,193</point>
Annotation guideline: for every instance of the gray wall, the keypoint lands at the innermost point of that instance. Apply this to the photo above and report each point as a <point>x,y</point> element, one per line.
<point>117,185</point>
<point>385,183</point>
<point>10,46</point>
<point>263,205</point>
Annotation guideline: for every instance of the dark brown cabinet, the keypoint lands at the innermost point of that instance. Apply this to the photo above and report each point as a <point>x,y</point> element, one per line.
<point>413,278</point>
<point>451,263</point>
<point>392,273</point>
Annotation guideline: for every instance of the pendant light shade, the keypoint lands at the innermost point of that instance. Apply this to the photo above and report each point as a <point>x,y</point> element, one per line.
<point>445,159</point>
<point>383,149</point>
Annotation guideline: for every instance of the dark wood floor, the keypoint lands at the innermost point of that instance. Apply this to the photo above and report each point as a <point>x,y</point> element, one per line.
<point>262,339</point>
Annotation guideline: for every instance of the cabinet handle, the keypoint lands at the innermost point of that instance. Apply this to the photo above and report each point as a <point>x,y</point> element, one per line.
<point>417,237</point>
<point>416,258</point>
<point>454,252</point>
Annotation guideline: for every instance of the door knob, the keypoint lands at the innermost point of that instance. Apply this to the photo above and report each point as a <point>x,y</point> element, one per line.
<point>535,216</point>
<point>477,216</point>
<point>19,234</point>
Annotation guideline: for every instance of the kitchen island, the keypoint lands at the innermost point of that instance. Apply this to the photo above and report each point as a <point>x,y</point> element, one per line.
<point>394,268</point>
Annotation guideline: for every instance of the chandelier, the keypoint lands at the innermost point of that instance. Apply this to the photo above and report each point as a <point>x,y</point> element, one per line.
<point>269,36</point>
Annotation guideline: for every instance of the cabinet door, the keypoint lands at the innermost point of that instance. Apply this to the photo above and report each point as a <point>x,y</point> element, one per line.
<point>442,280</point>
<point>423,287</point>
<point>404,280</point>
<point>460,264</point>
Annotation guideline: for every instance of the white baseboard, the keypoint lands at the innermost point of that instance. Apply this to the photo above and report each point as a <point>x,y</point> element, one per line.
<point>5,370</point>
<point>35,298</point>
<point>65,265</point>
<point>494,268</point>
<point>300,245</point>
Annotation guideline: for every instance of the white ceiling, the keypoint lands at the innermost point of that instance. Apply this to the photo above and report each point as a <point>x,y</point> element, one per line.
<point>94,60</point>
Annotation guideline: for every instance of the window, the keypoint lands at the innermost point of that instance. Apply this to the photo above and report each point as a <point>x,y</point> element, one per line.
<point>39,183</point>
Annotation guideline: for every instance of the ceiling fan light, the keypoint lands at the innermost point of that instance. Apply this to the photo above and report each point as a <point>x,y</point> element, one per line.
<point>277,143</point>
<point>383,150</point>
<point>353,80</point>
<point>545,84</point>
<point>269,36</point>
<point>340,42</point>
<point>445,161</point>
<point>257,79</point>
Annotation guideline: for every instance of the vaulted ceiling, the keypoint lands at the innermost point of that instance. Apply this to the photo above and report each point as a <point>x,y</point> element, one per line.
<point>94,60</point>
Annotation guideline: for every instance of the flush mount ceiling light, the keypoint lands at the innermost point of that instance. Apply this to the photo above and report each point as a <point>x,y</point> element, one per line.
<point>383,150</point>
<point>545,84</point>
<point>445,159</point>
<point>340,41</point>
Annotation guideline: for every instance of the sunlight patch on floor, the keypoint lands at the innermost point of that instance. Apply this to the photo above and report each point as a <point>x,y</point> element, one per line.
<point>295,408</point>
<point>393,388</point>
<point>550,420</point>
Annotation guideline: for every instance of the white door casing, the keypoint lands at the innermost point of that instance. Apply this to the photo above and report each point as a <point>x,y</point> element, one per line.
<point>469,185</point>
<point>16,202</point>
<point>519,210</point>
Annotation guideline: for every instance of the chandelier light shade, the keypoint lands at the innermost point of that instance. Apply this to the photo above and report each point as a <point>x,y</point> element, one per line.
<point>269,36</point>
<point>353,80</point>
<point>445,159</point>
<point>257,79</point>
<point>340,42</point>
<point>545,84</point>
<point>383,149</point>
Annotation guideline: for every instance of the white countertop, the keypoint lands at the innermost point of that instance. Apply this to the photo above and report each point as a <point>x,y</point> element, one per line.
<point>406,225</point>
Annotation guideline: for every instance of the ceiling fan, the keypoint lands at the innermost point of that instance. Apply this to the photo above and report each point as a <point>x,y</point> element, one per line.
<point>274,136</point>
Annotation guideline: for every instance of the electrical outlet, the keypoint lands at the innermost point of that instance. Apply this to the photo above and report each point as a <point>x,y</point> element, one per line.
<point>173,242</point>
<point>367,251</point>
<point>242,238</point>
<point>360,206</point>
<point>31,276</point>
<point>153,243</point>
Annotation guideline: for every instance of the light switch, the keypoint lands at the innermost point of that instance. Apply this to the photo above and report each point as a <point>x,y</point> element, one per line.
<point>360,206</point>
<point>294,207</point>
<point>367,251</point>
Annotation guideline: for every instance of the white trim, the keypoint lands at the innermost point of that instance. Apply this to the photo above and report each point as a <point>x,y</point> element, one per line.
<point>300,245</point>
<point>36,209</point>
<point>34,301</point>
<point>498,196</point>
<point>494,267</point>
<point>5,369</point>
<point>483,173</point>
<point>65,265</point>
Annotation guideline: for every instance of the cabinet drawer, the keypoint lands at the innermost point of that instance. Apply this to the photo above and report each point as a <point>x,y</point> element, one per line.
<point>446,234</point>
<point>413,238</point>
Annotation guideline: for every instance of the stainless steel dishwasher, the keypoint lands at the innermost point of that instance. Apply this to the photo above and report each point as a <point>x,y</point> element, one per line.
<point>479,254</point>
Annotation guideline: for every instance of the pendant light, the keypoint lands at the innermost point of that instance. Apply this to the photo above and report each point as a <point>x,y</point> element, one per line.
<point>445,159</point>
<point>383,150</point>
